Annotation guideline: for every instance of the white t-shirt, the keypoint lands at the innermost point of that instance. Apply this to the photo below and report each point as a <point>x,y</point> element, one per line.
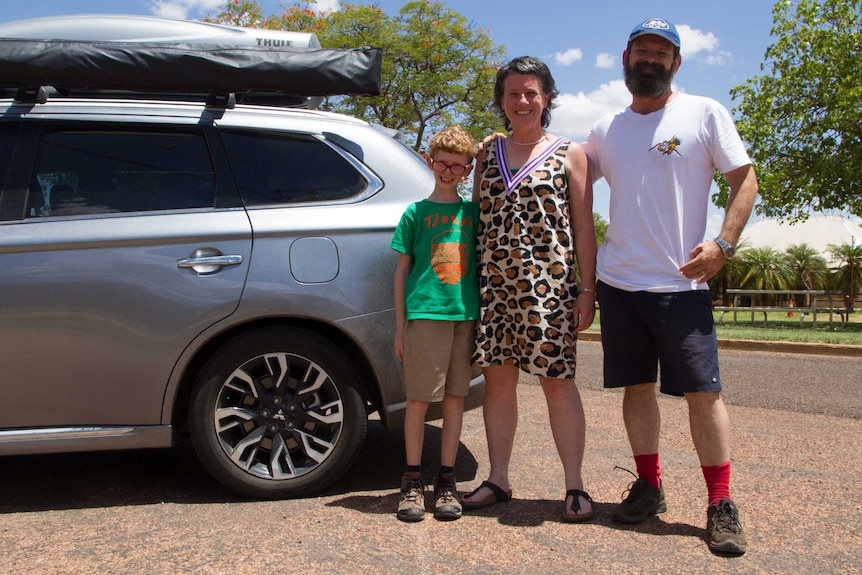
<point>659,167</point>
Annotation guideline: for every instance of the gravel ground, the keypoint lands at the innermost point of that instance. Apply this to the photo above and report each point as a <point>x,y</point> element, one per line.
<point>795,479</point>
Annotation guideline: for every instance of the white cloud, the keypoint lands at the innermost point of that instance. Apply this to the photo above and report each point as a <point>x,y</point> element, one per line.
<point>702,47</point>
<point>695,41</point>
<point>568,57</point>
<point>576,113</point>
<point>182,9</point>
<point>605,60</point>
<point>190,9</point>
<point>325,6</point>
<point>720,58</point>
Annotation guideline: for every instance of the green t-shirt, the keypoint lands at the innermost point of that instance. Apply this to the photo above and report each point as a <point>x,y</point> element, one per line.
<point>441,240</point>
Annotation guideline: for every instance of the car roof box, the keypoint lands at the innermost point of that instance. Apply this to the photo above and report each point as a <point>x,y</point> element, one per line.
<point>149,55</point>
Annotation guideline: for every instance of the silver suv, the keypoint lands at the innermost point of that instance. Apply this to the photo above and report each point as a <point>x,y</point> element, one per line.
<point>167,265</point>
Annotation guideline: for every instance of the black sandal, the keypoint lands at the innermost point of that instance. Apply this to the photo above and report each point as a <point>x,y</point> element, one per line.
<point>575,517</point>
<point>497,496</point>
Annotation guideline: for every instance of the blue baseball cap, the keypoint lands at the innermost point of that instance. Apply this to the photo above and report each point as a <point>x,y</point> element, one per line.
<point>659,27</point>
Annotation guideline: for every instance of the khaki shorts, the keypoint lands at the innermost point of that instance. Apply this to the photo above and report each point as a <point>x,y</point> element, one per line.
<point>437,358</point>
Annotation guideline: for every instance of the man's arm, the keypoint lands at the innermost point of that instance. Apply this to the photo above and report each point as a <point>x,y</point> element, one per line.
<point>743,192</point>
<point>706,259</point>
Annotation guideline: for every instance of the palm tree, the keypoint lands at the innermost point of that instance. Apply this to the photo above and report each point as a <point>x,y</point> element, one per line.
<point>766,269</point>
<point>848,274</point>
<point>810,270</point>
<point>730,275</point>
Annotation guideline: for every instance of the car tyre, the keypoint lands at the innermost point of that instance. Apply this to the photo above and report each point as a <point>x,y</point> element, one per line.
<point>278,413</point>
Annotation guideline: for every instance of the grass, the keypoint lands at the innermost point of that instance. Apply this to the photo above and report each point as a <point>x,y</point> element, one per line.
<point>780,327</point>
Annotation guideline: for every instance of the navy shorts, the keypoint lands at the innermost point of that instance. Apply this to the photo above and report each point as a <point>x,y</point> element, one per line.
<point>644,331</point>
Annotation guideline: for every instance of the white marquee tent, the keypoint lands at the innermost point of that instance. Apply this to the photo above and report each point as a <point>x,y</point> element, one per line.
<point>816,231</point>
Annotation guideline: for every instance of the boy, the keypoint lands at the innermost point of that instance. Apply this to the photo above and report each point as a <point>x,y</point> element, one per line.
<point>436,305</point>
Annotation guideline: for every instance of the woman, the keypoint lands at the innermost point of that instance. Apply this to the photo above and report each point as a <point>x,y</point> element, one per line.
<point>535,201</point>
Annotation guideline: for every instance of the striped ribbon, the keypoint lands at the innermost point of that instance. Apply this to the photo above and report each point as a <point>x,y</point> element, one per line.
<point>510,180</point>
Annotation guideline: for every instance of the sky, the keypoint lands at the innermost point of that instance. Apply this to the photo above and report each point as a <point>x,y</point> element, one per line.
<point>723,44</point>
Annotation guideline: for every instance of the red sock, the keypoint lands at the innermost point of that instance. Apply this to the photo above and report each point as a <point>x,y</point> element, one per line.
<point>717,481</point>
<point>648,468</point>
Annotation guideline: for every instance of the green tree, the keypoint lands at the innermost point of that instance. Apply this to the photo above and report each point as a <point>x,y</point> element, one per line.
<point>601,227</point>
<point>848,275</point>
<point>244,13</point>
<point>802,118</point>
<point>808,268</point>
<point>438,69</point>
<point>765,268</point>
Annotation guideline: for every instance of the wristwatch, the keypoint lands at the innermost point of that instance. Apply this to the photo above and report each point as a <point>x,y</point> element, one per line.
<point>727,249</point>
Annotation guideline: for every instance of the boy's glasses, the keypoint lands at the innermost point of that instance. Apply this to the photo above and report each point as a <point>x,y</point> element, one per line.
<point>455,169</point>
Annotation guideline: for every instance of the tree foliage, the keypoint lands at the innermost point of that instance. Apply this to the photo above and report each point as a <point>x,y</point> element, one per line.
<point>244,13</point>
<point>765,269</point>
<point>848,275</point>
<point>799,267</point>
<point>803,118</point>
<point>438,68</point>
<point>809,268</point>
<point>601,226</point>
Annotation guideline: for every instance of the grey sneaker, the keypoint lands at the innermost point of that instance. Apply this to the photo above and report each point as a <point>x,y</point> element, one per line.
<point>723,530</point>
<point>411,507</point>
<point>642,501</point>
<point>446,504</point>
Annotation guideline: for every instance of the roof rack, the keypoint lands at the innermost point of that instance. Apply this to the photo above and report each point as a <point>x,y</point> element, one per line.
<point>177,59</point>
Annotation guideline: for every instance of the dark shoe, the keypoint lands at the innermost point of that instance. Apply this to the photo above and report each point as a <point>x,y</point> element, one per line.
<point>411,507</point>
<point>497,495</point>
<point>446,504</point>
<point>642,501</point>
<point>723,529</point>
<point>570,513</point>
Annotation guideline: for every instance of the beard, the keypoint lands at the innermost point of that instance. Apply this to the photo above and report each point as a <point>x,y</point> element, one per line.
<point>647,80</point>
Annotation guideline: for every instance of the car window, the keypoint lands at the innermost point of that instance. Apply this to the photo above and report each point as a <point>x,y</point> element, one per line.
<point>95,172</point>
<point>8,132</point>
<point>275,168</point>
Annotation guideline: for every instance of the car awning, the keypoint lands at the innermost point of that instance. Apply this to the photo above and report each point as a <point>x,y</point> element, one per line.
<point>189,68</point>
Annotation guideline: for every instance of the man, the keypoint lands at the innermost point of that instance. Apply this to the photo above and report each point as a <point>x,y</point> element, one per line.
<point>658,157</point>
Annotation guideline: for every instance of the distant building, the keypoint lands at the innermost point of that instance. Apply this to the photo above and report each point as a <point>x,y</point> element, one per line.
<point>817,231</point>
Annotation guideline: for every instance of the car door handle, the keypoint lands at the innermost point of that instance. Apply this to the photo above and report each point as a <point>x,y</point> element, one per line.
<point>207,261</point>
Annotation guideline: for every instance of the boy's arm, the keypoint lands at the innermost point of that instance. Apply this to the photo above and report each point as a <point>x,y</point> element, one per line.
<point>402,270</point>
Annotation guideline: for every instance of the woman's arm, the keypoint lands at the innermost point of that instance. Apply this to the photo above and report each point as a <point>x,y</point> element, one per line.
<point>583,232</point>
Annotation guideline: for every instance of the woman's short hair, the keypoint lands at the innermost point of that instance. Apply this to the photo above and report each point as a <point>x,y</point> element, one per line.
<point>527,65</point>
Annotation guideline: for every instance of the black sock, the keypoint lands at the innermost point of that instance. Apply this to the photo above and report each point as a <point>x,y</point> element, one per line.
<point>414,471</point>
<point>446,470</point>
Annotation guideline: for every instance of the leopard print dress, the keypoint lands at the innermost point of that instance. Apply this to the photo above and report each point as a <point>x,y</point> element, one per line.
<point>526,261</point>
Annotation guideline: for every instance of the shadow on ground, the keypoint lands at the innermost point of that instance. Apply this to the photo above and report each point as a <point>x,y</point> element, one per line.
<point>525,513</point>
<point>31,483</point>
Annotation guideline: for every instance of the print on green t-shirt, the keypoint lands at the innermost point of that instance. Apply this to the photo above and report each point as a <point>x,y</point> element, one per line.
<point>441,240</point>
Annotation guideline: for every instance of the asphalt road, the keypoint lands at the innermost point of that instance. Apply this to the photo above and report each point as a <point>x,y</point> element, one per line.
<point>797,425</point>
<point>804,383</point>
